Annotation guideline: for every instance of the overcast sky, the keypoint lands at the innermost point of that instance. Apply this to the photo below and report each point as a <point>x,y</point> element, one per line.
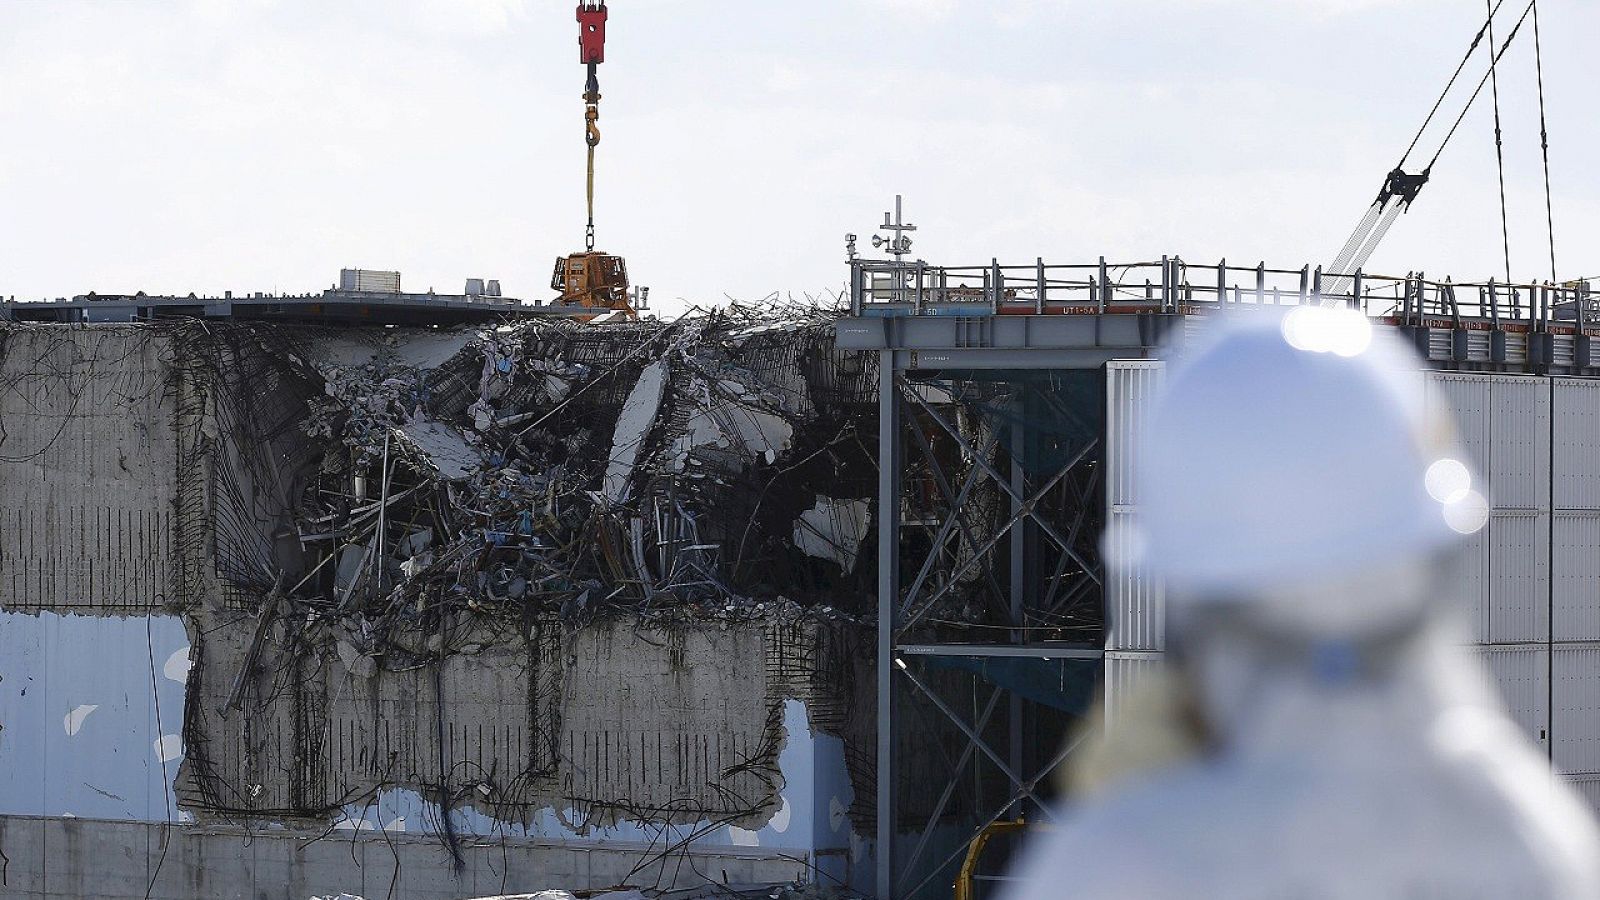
<point>259,145</point>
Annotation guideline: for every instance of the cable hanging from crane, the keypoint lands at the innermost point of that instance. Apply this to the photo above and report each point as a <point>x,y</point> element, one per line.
<point>1400,188</point>
<point>1544,141</point>
<point>1364,239</point>
<point>1499,152</point>
<point>594,279</point>
<point>592,51</point>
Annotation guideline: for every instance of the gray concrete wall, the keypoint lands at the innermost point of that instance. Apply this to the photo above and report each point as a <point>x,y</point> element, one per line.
<point>87,458</point>
<point>80,858</point>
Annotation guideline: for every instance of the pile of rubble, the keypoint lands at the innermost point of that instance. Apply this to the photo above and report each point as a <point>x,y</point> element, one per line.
<point>717,465</point>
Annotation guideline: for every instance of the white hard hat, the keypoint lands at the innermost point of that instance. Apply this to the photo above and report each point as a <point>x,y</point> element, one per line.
<point>1288,449</point>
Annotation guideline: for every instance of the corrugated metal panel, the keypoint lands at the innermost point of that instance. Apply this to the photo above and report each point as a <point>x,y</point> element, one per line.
<point>1588,787</point>
<point>1575,455</point>
<point>1135,602</point>
<point>1478,346</point>
<point>1522,676</point>
<point>1465,582</point>
<point>1135,606</point>
<point>1562,351</point>
<point>1466,399</point>
<point>1516,345</point>
<point>1576,576</point>
<point>1123,672</point>
<point>1519,446</point>
<point>1504,423</point>
<point>1575,698</point>
<point>1129,385</point>
<point>1440,343</point>
<point>1519,587</point>
<point>80,699</point>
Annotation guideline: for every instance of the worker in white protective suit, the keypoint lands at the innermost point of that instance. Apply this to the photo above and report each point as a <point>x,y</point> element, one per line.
<point>1336,737</point>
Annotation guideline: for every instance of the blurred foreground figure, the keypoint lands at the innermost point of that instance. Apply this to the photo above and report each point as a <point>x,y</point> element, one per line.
<point>1332,735</point>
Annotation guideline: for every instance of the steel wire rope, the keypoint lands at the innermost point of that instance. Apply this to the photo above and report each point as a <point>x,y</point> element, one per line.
<point>1372,229</point>
<point>1487,27</point>
<point>166,784</point>
<point>1499,151</point>
<point>1544,140</point>
<point>1481,82</point>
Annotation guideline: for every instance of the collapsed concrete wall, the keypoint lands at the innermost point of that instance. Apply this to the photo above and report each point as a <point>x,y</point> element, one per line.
<point>604,723</point>
<point>650,702</point>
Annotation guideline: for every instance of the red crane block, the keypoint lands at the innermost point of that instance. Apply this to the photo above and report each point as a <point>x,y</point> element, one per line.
<point>591,32</point>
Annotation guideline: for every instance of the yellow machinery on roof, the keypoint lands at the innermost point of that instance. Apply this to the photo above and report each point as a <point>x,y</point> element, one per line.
<point>592,278</point>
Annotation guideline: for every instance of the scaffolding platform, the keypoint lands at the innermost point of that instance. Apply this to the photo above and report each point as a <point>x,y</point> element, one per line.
<point>990,315</point>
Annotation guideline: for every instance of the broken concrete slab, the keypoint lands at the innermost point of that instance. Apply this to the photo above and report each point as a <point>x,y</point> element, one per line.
<point>445,449</point>
<point>633,426</point>
<point>833,529</point>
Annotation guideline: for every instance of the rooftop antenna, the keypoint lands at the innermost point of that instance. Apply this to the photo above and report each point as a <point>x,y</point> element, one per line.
<point>899,245</point>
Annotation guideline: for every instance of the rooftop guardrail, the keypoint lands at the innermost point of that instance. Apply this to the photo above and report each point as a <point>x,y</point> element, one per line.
<point>887,287</point>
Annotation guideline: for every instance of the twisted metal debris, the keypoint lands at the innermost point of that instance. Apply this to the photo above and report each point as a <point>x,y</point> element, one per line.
<point>712,466</point>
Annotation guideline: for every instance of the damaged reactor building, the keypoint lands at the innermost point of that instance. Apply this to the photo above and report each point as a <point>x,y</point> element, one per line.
<point>289,610</point>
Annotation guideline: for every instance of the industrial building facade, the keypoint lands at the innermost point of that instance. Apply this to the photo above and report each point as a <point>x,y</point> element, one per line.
<point>179,718</point>
<point>429,612</point>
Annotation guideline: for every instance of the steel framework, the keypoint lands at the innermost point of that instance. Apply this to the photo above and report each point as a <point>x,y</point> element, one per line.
<point>989,601</point>
<point>991,424</point>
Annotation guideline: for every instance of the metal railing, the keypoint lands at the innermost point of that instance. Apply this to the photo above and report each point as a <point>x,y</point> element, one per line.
<point>886,287</point>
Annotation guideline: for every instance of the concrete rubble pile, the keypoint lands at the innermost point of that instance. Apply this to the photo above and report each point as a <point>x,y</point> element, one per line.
<point>716,466</point>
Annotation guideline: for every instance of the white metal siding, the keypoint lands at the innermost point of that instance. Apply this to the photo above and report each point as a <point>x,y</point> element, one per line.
<point>1575,572</point>
<point>1135,606</point>
<point>1522,677</point>
<point>1503,422</point>
<point>1123,671</point>
<point>1466,583</point>
<point>1588,787</point>
<point>1575,698</point>
<point>1575,495</point>
<point>1519,446</point>
<point>1135,602</point>
<point>1466,398</point>
<point>1130,384</point>
<point>1519,591</point>
<point>1576,452</point>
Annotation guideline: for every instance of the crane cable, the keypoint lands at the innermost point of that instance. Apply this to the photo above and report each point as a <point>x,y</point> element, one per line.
<point>1499,152</point>
<point>1380,215</point>
<point>591,137</point>
<point>1476,39</point>
<point>1375,224</point>
<point>1481,82</point>
<point>1544,142</point>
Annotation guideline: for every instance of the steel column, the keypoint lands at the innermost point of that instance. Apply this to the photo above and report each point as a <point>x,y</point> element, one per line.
<point>888,593</point>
